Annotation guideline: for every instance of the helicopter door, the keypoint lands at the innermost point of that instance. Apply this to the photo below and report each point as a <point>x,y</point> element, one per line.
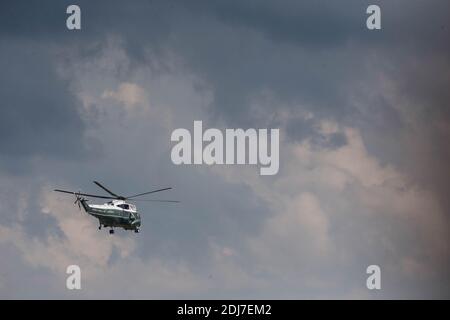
<point>123,207</point>
<point>127,207</point>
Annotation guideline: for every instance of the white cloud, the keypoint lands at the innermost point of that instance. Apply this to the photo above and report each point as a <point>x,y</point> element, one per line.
<point>130,95</point>
<point>295,236</point>
<point>347,164</point>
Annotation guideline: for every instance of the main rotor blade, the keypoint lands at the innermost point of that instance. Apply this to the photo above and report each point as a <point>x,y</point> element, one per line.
<point>174,201</point>
<point>110,192</point>
<point>84,194</point>
<point>141,194</point>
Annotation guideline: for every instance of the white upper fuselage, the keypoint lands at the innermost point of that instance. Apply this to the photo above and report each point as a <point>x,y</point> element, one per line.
<point>116,204</point>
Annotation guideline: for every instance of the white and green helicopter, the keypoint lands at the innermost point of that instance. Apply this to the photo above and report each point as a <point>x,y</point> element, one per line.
<point>117,212</point>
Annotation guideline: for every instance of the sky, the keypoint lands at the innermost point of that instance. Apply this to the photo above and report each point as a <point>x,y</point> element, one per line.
<point>364,148</point>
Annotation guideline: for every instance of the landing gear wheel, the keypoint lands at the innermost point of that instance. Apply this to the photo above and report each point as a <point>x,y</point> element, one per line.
<point>136,230</point>
<point>100,227</point>
<point>111,231</point>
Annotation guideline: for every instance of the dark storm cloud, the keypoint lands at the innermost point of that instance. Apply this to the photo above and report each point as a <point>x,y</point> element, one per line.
<point>39,113</point>
<point>318,23</point>
<point>329,23</point>
<point>309,53</point>
<point>46,22</point>
<point>236,62</point>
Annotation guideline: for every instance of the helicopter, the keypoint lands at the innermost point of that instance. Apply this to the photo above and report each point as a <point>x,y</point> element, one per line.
<point>117,212</point>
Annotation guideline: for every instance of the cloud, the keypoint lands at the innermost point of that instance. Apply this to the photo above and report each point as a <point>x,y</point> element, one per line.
<point>341,211</point>
<point>38,108</point>
<point>363,175</point>
<point>129,94</point>
<point>298,231</point>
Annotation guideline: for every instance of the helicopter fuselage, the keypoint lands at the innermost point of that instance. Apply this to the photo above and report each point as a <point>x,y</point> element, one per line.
<point>116,213</point>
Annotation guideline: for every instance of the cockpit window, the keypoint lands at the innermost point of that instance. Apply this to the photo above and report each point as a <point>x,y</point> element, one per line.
<point>124,206</point>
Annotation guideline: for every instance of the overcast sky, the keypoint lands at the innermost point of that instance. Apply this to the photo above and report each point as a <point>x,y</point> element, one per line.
<point>364,148</point>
